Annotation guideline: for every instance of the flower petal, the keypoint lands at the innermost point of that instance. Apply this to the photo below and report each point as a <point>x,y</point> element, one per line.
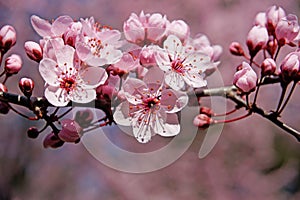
<point>41,26</point>
<point>173,101</point>
<point>56,96</point>
<point>83,95</point>
<point>134,90</point>
<point>93,77</point>
<point>171,126</point>
<point>173,45</point>
<point>141,129</point>
<point>60,25</point>
<point>121,115</point>
<point>48,71</point>
<point>174,80</point>
<point>65,55</point>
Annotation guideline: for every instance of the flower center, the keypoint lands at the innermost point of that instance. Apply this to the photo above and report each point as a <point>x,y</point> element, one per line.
<point>67,83</point>
<point>151,103</point>
<point>177,66</point>
<point>96,46</point>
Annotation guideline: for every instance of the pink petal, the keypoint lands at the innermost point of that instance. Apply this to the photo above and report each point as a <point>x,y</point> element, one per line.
<point>48,71</point>
<point>172,44</point>
<point>82,50</point>
<point>171,126</point>
<point>141,130</point>
<point>65,55</point>
<point>174,80</point>
<point>61,24</point>
<point>111,55</point>
<point>134,89</point>
<point>173,101</point>
<point>41,26</point>
<point>154,78</point>
<point>194,79</point>
<point>93,77</point>
<point>121,115</point>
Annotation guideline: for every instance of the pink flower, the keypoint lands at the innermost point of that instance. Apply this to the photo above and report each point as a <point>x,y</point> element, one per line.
<point>71,34</point>
<point>33,51</point>
<point>180,29</point>
<point>268,67</point>
<point>150,108</point>
<point>8,37</point>
<point>245,79</point>
<point>147,56</point>
<point>97,46</point>
<point>260,19</point>
<point>47,30</point>
<point>273,15</point>
<point>257,39</point>
<point>181,65</point>
<point>149,28</point>
<point>13,64</point>
<point>51,140</point>
<point>70,131</point>
<point>290,66</point>
<point>69,81</point>
<point>287,29</point>
<point>125,65</point>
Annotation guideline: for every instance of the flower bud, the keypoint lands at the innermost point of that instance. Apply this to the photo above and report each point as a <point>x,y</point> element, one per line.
<point>33,132</point>
<point>290,67</point>
<point>70,131</point>
<point>287,29</point>
<point>133,29</point>
<point>51,140</point>
<point>84,118</point>
<point>257,39</point>
<point>8,37</point>
<point>260,19</point>
<point>26,85</point>
<point>202,121</point>
<point>207,111</point>
<point>147,57</point>
<point>13,64</point>
<point>180,29</point>
<point>236,49</point>
<point>272,45</point>
<point>245,79</point>
<point>268,67</point>
<point>33,51</point>
<point>273,15</point>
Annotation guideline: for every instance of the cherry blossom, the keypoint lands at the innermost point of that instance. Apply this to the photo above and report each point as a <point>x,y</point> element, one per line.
<point>181,65</point>
<point>96,45</point>
<point>246,78</point>
<point>67,80</point>
<point>150,108</point>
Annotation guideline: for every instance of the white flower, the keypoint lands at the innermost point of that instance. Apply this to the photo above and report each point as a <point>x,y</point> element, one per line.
<point>182,66</point>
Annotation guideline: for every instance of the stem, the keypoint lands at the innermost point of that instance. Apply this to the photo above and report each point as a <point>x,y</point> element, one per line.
<point>283,91</point>
<point>257,90</point>
<point>227,113</point>
<point>62,115</point>
<point>288,98</point>
<point>277,52</point>
<point>2,72</point>
<point>234,119</point>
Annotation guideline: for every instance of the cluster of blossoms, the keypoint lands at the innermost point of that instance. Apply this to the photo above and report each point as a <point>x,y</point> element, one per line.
<point>148,72</point>
<point>143,77</point>
<point>271,31</point>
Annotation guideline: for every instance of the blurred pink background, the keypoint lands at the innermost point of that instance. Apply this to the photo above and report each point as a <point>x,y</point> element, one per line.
<point>253,159</point>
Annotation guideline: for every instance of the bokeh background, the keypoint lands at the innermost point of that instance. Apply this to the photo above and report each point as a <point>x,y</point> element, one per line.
<point>253,159</point>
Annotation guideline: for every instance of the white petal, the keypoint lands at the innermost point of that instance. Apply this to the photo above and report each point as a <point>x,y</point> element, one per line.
<point>194,79</point>
<point>173,45</point>
<point>121,115</point>
<point>171,126</point>
<point>141,129</point>
<point>134,90</point>
<point>65,55</point>
<point>173,101</point>
<point>83,95</point>
<point>56,96</point>
<point>48,71</point>
<point>60,25</point>
<point>41,26</point>
<point>174,80</point>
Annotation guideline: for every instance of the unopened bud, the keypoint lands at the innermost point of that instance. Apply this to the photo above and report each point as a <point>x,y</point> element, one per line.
<point>207,111</point>
<point>245,79</point>
<point>33,51</point>
<point>257,39</point>
<point>51,140</point>
<point>268,67</point>
<point>26,85</point>
<point>8,37</point>
<point>70,131</point>
<point>33,132</point>
<point>290,67</point>
<point>236,49</point>
<point>13,64</point>
<point>84,118</point>
<point>272,46</point>
<point>202,121</point>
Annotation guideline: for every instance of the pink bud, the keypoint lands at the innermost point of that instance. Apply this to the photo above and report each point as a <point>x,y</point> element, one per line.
<point>202,121</point>
<point>236,49</point>
<point>133,29</point>
<point>245,79</point>
<point>260,19</point>
<point>273,15</point>
<point>257,39</point>
<point>33,51</point>
<point>51,140</point>
<point>8,37</point>
<point>147,57</point>
<point>272,45</point>
<point>207,111</point>
<point>71,34</point>
<point>155,26</point>
<point>180,29</point>
<point>70,131</point>
<point>84,118</point>
<point>3,88</point>
<point>13,64</point>
<point>26,85</point>
<point>287,29</point>
<point>290,66</point>
<point>268,67</point>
